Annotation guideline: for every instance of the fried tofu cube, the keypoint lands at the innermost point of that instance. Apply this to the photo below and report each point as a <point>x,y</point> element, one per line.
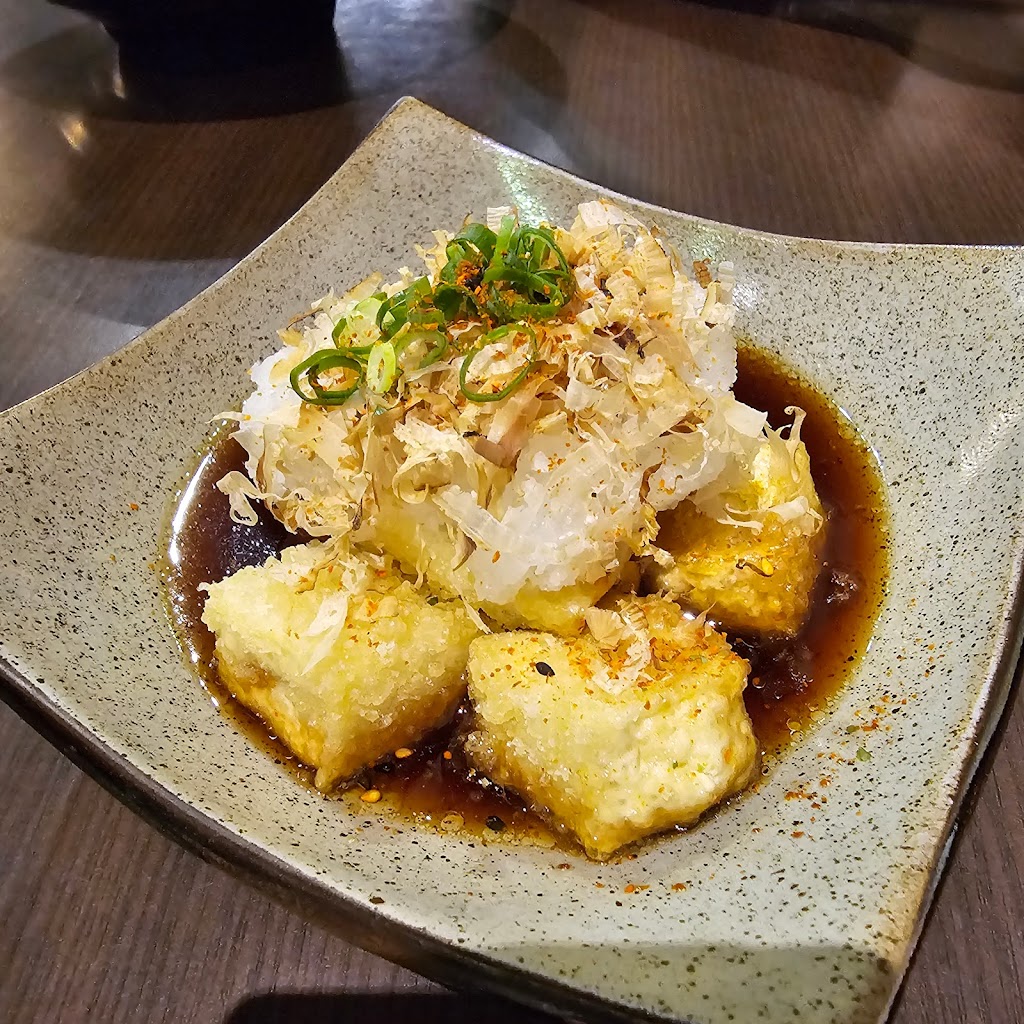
<point>417,537</point>
<point>630,729</point>
<point>747,548</point>
<point>342,672</point>
<point>751,581</point>
<point>562,612</point>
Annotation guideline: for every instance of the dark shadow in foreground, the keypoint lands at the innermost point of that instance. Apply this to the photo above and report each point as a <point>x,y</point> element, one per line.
<point>353,1008</point>
<point>674,982</point>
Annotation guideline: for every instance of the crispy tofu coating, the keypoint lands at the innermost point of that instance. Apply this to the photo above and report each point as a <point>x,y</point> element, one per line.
<point>748,550</point>
<point>757,581</point>
<point>416,536</point>
<point>630,729</point>
<point>342,678</point>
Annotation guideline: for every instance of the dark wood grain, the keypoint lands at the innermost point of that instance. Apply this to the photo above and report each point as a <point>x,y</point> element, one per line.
<point>120,200</point>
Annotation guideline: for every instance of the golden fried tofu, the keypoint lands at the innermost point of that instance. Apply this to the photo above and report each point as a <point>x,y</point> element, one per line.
<point>559,611</point>
<point>416,536</point>
<point>748,580</point>
<point>344,662</point>
<point>749,551</point>
<point>632,728</point>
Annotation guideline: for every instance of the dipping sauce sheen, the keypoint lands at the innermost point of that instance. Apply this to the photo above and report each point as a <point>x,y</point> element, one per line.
<point>790,681</point>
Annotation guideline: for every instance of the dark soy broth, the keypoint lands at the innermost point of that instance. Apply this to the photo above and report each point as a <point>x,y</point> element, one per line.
<point>790,680</point>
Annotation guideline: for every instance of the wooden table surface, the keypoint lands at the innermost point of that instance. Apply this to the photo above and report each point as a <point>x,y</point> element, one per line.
<point>122,197</point>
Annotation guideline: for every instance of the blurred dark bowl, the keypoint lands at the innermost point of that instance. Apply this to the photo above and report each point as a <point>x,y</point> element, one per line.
<point>188,36</point>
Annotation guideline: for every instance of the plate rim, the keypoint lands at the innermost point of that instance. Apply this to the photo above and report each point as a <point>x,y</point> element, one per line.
<point>412,103</point>
<point>372,930</point>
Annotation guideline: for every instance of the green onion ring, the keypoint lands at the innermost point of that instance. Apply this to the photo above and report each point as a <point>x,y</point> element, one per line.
<point>311,368</point>
<point>338,328</point>
<point>488,339</point>
<point>381,367</point>
<point>503,239</point>
<point>399,306</point>
<point>481,237</point>
<point>437,352</point>
<point>438,343</point>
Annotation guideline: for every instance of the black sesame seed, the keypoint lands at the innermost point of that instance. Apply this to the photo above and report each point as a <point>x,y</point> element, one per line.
<point>494,823</point>
<point>544,668</point>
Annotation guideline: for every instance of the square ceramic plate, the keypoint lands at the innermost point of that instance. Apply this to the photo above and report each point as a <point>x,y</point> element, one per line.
<point>923,347</point>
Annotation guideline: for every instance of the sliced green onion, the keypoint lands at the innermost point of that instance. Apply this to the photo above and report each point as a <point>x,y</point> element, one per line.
<point>435,341</point>
<point>394,312</point>
<point>317,363</point>
<point>481,237</point>
<point>523,275</point>
<point>489,339</point>
<point>359,326</point>
<point>540,243</point>
<point>528,276</point>
<point>437,352</point>
<point>527,309</point>
<point>503,239</point>
<point>460,254</point>
<point>455,302</point>
<point>344,343</point>
<point>381,367</point>
<point>426,317</point>
<point>473,246</point>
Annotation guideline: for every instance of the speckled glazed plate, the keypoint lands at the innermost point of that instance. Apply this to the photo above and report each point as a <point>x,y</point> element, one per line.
<point>923,347</point>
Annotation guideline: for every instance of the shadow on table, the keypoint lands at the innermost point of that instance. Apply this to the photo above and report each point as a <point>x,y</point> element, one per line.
<point>208,172</point>
<point>751,982</point>
<point>409,1008</point>
<point>374,48</point>
<point>977,43</point>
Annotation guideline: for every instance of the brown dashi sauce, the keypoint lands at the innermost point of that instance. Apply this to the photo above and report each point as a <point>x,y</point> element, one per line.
<point>790,680</point>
